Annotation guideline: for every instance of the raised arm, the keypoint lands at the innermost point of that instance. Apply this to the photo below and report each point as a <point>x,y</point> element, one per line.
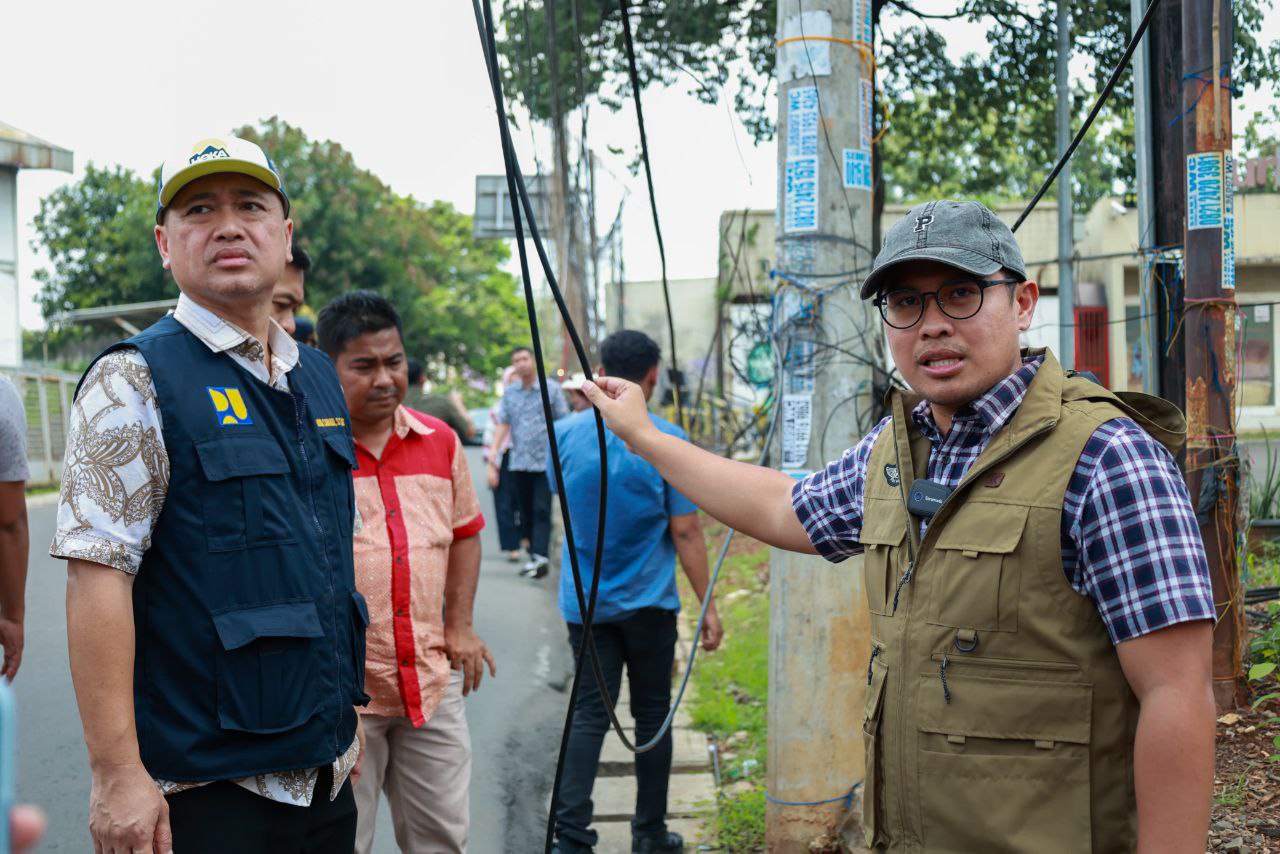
<point>126,810</point>
<point>752,499</point>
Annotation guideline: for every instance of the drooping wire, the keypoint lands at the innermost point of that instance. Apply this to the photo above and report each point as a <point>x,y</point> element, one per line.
<point>587,603</point>
<point>653,206</point>
<point>520,198</point>
<point>1093,113</point>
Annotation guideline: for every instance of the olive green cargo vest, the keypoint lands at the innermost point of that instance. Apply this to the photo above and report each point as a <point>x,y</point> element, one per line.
<point>997,716</point>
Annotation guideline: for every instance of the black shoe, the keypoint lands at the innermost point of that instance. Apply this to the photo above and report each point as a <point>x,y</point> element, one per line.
<point>669,841</point>
<point>567,847</point>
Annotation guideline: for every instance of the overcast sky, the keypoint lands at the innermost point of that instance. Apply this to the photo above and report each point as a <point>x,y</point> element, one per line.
<point>399,84</point>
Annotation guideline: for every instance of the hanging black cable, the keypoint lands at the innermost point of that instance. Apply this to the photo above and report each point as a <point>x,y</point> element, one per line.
<point>520,200</point>
<point>675,373</point>
<point>1093,113</point>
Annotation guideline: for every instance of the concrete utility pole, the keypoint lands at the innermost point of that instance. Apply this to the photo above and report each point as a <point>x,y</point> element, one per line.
<point>1209,322</point>
<point>566,214</point>
<point>1066,284</point>
<point>1148,342</point>
<point>819,638</point>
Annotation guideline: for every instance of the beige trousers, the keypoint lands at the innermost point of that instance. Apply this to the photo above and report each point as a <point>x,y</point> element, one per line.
<point>426,774</point>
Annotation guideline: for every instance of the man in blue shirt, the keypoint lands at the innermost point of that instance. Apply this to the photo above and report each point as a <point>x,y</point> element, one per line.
<point>649,523</point>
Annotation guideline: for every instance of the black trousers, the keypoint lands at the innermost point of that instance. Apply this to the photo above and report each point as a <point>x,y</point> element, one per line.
<point>223,817</point>
<point>505,509</point>
<point>646,643</point>
<point>533,495</point>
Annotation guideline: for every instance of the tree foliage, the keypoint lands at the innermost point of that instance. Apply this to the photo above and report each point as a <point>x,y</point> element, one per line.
<point>978,125</point>
<point>459,307</point>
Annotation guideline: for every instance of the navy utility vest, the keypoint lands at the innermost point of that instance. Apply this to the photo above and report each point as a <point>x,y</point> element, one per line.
<point>249,629</point>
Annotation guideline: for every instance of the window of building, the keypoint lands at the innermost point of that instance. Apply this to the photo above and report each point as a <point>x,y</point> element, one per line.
<point>1257,377</point>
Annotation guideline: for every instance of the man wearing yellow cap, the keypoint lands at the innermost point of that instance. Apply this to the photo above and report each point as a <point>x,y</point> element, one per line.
<point>215,634</point>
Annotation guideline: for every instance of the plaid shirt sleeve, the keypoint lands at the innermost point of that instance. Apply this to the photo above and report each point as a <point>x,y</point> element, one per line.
<point>1133,537</point>
<point>828,502</point>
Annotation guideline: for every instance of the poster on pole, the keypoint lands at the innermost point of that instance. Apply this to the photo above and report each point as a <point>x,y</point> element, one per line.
<point>800,195</point>
<point>1228,221</point>
<point>802,121</point>
<point>797,426</point>
<point>1204,190</point>
<point>857,169</point>
<point>866,102</point>
<point>806,47</point>
<point>862,29</point>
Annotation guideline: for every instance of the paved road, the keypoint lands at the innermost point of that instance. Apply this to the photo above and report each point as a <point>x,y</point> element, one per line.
<point>515,719</point>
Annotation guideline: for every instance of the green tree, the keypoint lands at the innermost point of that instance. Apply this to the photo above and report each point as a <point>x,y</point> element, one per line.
<point>97,233</point>
<point>459,307</point>
<point>978,126</point>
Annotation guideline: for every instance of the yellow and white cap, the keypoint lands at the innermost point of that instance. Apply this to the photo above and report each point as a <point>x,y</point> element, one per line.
<point>214,155</point>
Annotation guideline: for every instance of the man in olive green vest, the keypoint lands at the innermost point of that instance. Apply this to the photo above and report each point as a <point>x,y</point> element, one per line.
<point>1041,612</point>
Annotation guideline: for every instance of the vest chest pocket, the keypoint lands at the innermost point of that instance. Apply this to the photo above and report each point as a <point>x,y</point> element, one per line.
<point>267,667</point>
<point>342,455</point>
<point>1004,766</point>
<point>247,498</point>
<point>881,535</point>
<point>973,582</point>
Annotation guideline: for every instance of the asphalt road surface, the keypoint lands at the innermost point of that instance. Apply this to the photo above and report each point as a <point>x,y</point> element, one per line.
<point>515,719</point>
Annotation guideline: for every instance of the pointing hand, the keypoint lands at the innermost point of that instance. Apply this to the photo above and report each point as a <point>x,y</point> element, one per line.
<point>623,406</point>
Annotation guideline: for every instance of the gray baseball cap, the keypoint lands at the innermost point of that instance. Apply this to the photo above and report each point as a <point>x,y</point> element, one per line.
<point>966,235</point>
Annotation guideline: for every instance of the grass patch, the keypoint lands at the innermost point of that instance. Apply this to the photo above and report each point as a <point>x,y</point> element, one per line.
<point>731,693</point>
<point>46,489</point>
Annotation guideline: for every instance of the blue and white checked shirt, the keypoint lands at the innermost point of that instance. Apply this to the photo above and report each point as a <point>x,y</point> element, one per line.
<point>1130,541</point>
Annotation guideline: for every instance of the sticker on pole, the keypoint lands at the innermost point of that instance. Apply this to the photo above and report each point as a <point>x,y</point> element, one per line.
<point>806,47</point>
<point>802,121</point>
<point>857,169</point>
<point>1204,190</point>
<point>862,27</point>
<point>1229,222</point>
<point>797,425</point>
<point>800,197</point>
<point>866,101</point>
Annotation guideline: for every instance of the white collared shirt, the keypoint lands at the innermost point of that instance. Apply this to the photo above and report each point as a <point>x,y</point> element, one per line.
<point>116,476</point>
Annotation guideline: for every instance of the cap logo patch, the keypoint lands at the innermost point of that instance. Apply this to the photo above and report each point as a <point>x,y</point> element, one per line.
<point>923,222</point>
<point>891,474</point>
<point>209,149</point>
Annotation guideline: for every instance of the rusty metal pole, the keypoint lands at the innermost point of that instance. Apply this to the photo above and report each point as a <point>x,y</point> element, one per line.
<point>819,637</point>
<point>1210,320</point>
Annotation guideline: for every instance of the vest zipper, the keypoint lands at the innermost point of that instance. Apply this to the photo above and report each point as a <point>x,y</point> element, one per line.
<point>942,674</point>
<point>875,650</point>
<point>299,408</point>
<point>902,582</point>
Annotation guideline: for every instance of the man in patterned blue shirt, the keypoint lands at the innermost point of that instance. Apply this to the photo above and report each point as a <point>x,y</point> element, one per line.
<point>1120,757</point>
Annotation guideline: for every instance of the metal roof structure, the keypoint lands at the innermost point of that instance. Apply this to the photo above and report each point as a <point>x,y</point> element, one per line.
<point>21,149</point>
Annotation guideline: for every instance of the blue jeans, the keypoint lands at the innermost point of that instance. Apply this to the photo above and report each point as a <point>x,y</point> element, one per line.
<point>646,643</point>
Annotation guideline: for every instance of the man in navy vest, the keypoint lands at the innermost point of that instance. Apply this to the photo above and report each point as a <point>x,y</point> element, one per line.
<point>215,634</point>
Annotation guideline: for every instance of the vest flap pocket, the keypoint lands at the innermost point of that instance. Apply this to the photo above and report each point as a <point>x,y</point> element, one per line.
<point>882,531</point>
<point>984,527</point>
<point>1006,709</point>
<point>881,523</point>
<point>267,672</point>
<point>342,445</point>
<point>225,457</point>
<point>282,620</point>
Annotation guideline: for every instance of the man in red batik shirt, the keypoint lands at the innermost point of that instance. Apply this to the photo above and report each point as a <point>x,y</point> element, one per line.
<point>417,559</point>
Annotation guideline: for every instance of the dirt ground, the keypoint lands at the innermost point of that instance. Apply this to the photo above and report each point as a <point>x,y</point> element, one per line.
<point>1246,785</point>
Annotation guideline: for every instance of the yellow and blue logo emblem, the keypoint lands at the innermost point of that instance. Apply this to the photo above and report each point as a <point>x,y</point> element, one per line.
<point>229,406</point>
